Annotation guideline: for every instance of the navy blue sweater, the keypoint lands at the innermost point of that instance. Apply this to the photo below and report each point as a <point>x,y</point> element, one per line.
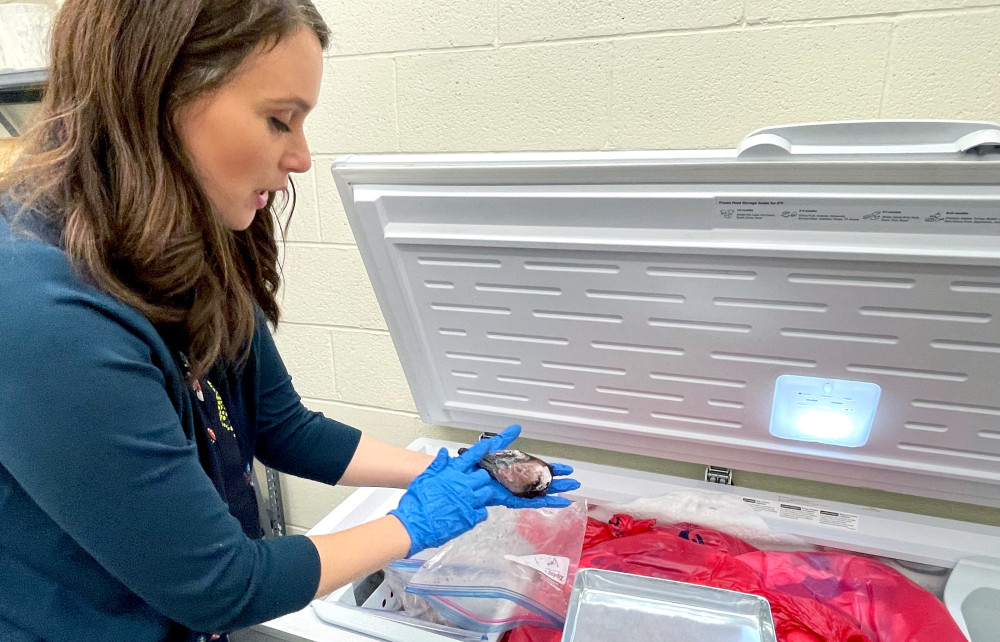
<point>111,528</point>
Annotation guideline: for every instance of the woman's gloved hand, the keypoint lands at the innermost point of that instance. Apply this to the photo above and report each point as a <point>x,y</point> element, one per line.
<point>451,495</point>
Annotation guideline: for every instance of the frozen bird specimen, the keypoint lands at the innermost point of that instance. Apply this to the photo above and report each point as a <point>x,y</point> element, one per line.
<point>522,474</point>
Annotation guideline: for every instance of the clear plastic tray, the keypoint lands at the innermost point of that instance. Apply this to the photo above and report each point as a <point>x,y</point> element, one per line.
<point>605,605</point>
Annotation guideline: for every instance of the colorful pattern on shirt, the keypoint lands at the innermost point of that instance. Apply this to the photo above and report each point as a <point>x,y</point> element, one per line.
<point>224,462</point>
<point>223,415</point>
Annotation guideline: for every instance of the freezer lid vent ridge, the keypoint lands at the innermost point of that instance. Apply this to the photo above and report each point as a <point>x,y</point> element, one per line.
<point>515,303</point>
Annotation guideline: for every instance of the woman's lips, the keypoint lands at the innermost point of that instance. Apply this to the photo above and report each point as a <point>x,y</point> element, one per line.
<point>261,199</point>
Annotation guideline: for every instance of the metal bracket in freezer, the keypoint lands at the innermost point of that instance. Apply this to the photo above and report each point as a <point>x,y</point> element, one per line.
<point>649,302</point>
<point>719,475</point>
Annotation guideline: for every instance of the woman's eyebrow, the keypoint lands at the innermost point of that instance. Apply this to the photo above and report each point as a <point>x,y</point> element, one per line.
<point>295,101</point>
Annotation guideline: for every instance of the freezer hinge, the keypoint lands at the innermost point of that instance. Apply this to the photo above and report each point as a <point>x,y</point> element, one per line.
<point>719,475</point>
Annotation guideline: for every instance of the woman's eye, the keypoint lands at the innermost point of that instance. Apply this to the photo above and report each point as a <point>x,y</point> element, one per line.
<point>278,125</point>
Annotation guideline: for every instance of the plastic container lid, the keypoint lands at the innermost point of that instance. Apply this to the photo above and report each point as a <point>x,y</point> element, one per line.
<point>605,605</point>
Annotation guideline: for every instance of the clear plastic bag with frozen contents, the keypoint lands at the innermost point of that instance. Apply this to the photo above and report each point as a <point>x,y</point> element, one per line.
<point>514,569</point>
<point>398,575</point>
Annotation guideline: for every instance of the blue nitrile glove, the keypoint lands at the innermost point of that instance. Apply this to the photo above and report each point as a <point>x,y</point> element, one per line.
<point>450,496</point>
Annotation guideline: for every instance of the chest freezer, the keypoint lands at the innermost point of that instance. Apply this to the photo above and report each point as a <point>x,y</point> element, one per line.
<point>822,303</point>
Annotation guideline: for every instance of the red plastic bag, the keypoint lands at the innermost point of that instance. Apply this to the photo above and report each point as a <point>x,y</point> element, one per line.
<point>814,597</point>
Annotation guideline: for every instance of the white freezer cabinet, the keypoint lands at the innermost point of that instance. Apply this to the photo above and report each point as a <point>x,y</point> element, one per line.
<point>822,303</point>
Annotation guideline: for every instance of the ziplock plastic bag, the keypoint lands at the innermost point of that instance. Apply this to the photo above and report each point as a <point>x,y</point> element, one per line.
<point>366,621</point>
<point>515,568</point>
<point>397,577</point>
<point>372,620</point>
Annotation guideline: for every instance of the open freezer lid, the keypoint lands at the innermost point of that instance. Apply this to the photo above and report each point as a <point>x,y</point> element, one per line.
<point>756,308</point>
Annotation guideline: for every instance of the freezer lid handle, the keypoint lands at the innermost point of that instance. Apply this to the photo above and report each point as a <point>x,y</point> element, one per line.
<point>873,137</point>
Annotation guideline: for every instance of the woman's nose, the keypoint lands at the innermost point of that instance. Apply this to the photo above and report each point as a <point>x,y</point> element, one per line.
<point>297,158</point>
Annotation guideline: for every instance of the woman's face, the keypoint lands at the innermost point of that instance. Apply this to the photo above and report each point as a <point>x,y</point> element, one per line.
<point>246,137</point>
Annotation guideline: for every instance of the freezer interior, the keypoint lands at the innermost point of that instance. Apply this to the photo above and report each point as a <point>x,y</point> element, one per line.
<point>925,549</point>
<point>820,303</point>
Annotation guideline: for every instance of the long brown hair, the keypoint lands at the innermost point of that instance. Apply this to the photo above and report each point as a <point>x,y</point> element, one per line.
<point>105,163</point>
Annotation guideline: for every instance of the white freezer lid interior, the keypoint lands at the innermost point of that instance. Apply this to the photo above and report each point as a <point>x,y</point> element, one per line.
<point>648,302</point>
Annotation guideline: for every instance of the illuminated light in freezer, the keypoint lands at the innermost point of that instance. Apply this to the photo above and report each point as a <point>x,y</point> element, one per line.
<point>825,424</point>
<point>827,411</point>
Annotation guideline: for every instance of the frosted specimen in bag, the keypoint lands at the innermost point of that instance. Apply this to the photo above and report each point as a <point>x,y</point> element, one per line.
<point>522,474</point>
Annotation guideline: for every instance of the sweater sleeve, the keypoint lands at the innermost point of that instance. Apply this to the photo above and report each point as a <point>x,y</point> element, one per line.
<point>88,430</point>
<point>290,437</point>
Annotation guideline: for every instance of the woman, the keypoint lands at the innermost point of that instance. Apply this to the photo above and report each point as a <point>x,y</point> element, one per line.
<point>138,380</point>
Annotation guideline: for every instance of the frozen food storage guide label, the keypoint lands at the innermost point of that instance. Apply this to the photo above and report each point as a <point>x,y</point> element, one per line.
<point>877,213</point>
<point>802,512</point>
<point>554,566</point>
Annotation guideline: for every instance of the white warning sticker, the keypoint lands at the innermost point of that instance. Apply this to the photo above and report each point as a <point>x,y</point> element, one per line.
<point>761,505</point>
<point>798,511</point>
<point>554,566</point>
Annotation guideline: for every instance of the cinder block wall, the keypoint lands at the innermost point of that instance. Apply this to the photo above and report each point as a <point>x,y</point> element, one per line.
<point>509,75</point>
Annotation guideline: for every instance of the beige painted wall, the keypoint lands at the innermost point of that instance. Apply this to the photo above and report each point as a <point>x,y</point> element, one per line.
<point>507,75</point>
<point>49,3</point>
